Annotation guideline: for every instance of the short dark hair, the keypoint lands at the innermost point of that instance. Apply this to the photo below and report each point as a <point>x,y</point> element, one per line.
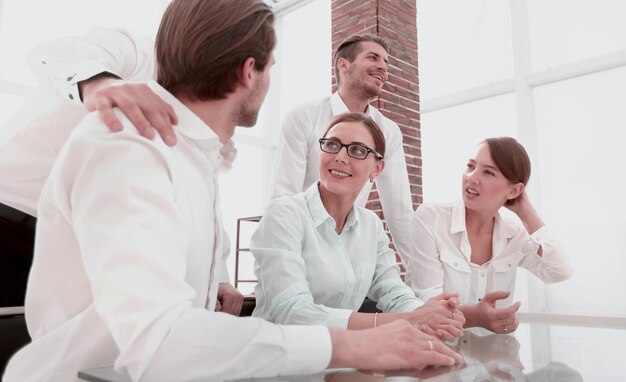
<point>201,44</point>
<point>351,47</point>
<point>510,158</point>
<point>370,125</point>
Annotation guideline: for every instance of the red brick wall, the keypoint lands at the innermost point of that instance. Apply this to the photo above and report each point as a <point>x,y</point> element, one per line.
<point>395,20</point>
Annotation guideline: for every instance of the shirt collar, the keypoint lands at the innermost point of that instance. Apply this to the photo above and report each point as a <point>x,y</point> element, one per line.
<point>352,220</point>
<point>318,212</point>
<point>500,229</point>
<point>458,218</point>
<point>339,107</point>
<point>190,125</point>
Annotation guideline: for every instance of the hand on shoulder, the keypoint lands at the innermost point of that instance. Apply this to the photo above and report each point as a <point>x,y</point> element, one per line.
<point>146,110</point>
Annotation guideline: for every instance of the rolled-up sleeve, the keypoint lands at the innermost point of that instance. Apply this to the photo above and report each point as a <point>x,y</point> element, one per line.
<point>552,266</point>
<point>61,64</point>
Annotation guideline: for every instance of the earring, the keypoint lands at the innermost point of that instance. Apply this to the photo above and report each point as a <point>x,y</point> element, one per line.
<point>371,180</point>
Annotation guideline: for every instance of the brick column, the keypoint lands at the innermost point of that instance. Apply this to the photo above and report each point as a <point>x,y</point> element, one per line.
<point>395,20</point>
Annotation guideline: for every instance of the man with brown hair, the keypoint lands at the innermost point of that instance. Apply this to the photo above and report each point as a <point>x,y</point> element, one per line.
<point>129,233</point>
<point>85,67</point>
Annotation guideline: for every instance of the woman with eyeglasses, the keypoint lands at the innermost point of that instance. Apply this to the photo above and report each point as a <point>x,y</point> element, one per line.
<point>468,248</point>
<point>317,255</point>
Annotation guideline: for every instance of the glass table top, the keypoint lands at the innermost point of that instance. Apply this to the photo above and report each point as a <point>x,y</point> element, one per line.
<point>537,351</point>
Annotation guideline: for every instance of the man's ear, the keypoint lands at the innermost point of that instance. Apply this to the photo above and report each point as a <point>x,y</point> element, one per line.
<point>515,191</point>
<point>343,65</point>
<point>247,73</point>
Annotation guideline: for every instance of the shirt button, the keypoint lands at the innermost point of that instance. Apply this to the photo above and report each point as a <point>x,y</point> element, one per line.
<point>510,265</point>
<point>43,62</point>
<point>70,78</point>
<point>456,264</point>
<point>71,96</point>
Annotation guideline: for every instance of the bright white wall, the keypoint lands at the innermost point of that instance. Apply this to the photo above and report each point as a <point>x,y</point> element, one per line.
<point>24,24</point>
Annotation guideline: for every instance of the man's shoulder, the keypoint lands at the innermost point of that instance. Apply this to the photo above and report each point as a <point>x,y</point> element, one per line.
<point>92,133</point>
<point>386,121</point>
<point>303,118</point>
<point>89,128</point>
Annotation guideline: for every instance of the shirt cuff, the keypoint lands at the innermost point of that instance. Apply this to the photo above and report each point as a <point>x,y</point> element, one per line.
<point>223,272</point>
<point>66,81</point>
<point>426,294</point>
<point>414,304</point>
<point>308,349</point>
<point>542,235</point>
<point>338,318</point>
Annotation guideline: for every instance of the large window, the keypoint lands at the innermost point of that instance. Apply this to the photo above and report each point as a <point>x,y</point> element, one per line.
<point>553,75</point>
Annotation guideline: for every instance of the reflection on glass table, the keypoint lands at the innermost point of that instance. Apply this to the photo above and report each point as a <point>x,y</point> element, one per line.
<point>536,352</point>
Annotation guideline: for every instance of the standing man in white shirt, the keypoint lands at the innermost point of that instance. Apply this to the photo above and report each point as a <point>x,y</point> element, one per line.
<point>129,233</point>
<point>360,64</point>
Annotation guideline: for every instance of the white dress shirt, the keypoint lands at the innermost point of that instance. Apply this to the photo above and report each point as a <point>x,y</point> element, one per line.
<point>309,274</point>
<point>297,159</point>
<point>440,260</point>
<point>31,141</point>
<point>128,239</point>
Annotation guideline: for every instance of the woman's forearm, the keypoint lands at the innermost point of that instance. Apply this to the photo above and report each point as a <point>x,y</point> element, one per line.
<point>359,321</point>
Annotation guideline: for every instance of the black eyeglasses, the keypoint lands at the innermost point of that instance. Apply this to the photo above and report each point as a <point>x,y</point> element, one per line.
<point>354,150</point>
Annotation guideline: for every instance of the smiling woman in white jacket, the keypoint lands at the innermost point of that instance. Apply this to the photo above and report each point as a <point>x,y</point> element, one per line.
<point>467,248</point>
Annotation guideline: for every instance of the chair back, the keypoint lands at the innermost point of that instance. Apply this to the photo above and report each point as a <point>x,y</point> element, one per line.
<point>17,241</point>
<point>13,333</point>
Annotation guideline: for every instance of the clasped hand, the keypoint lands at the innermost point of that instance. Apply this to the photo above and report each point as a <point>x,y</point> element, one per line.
<point>440,316</point>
